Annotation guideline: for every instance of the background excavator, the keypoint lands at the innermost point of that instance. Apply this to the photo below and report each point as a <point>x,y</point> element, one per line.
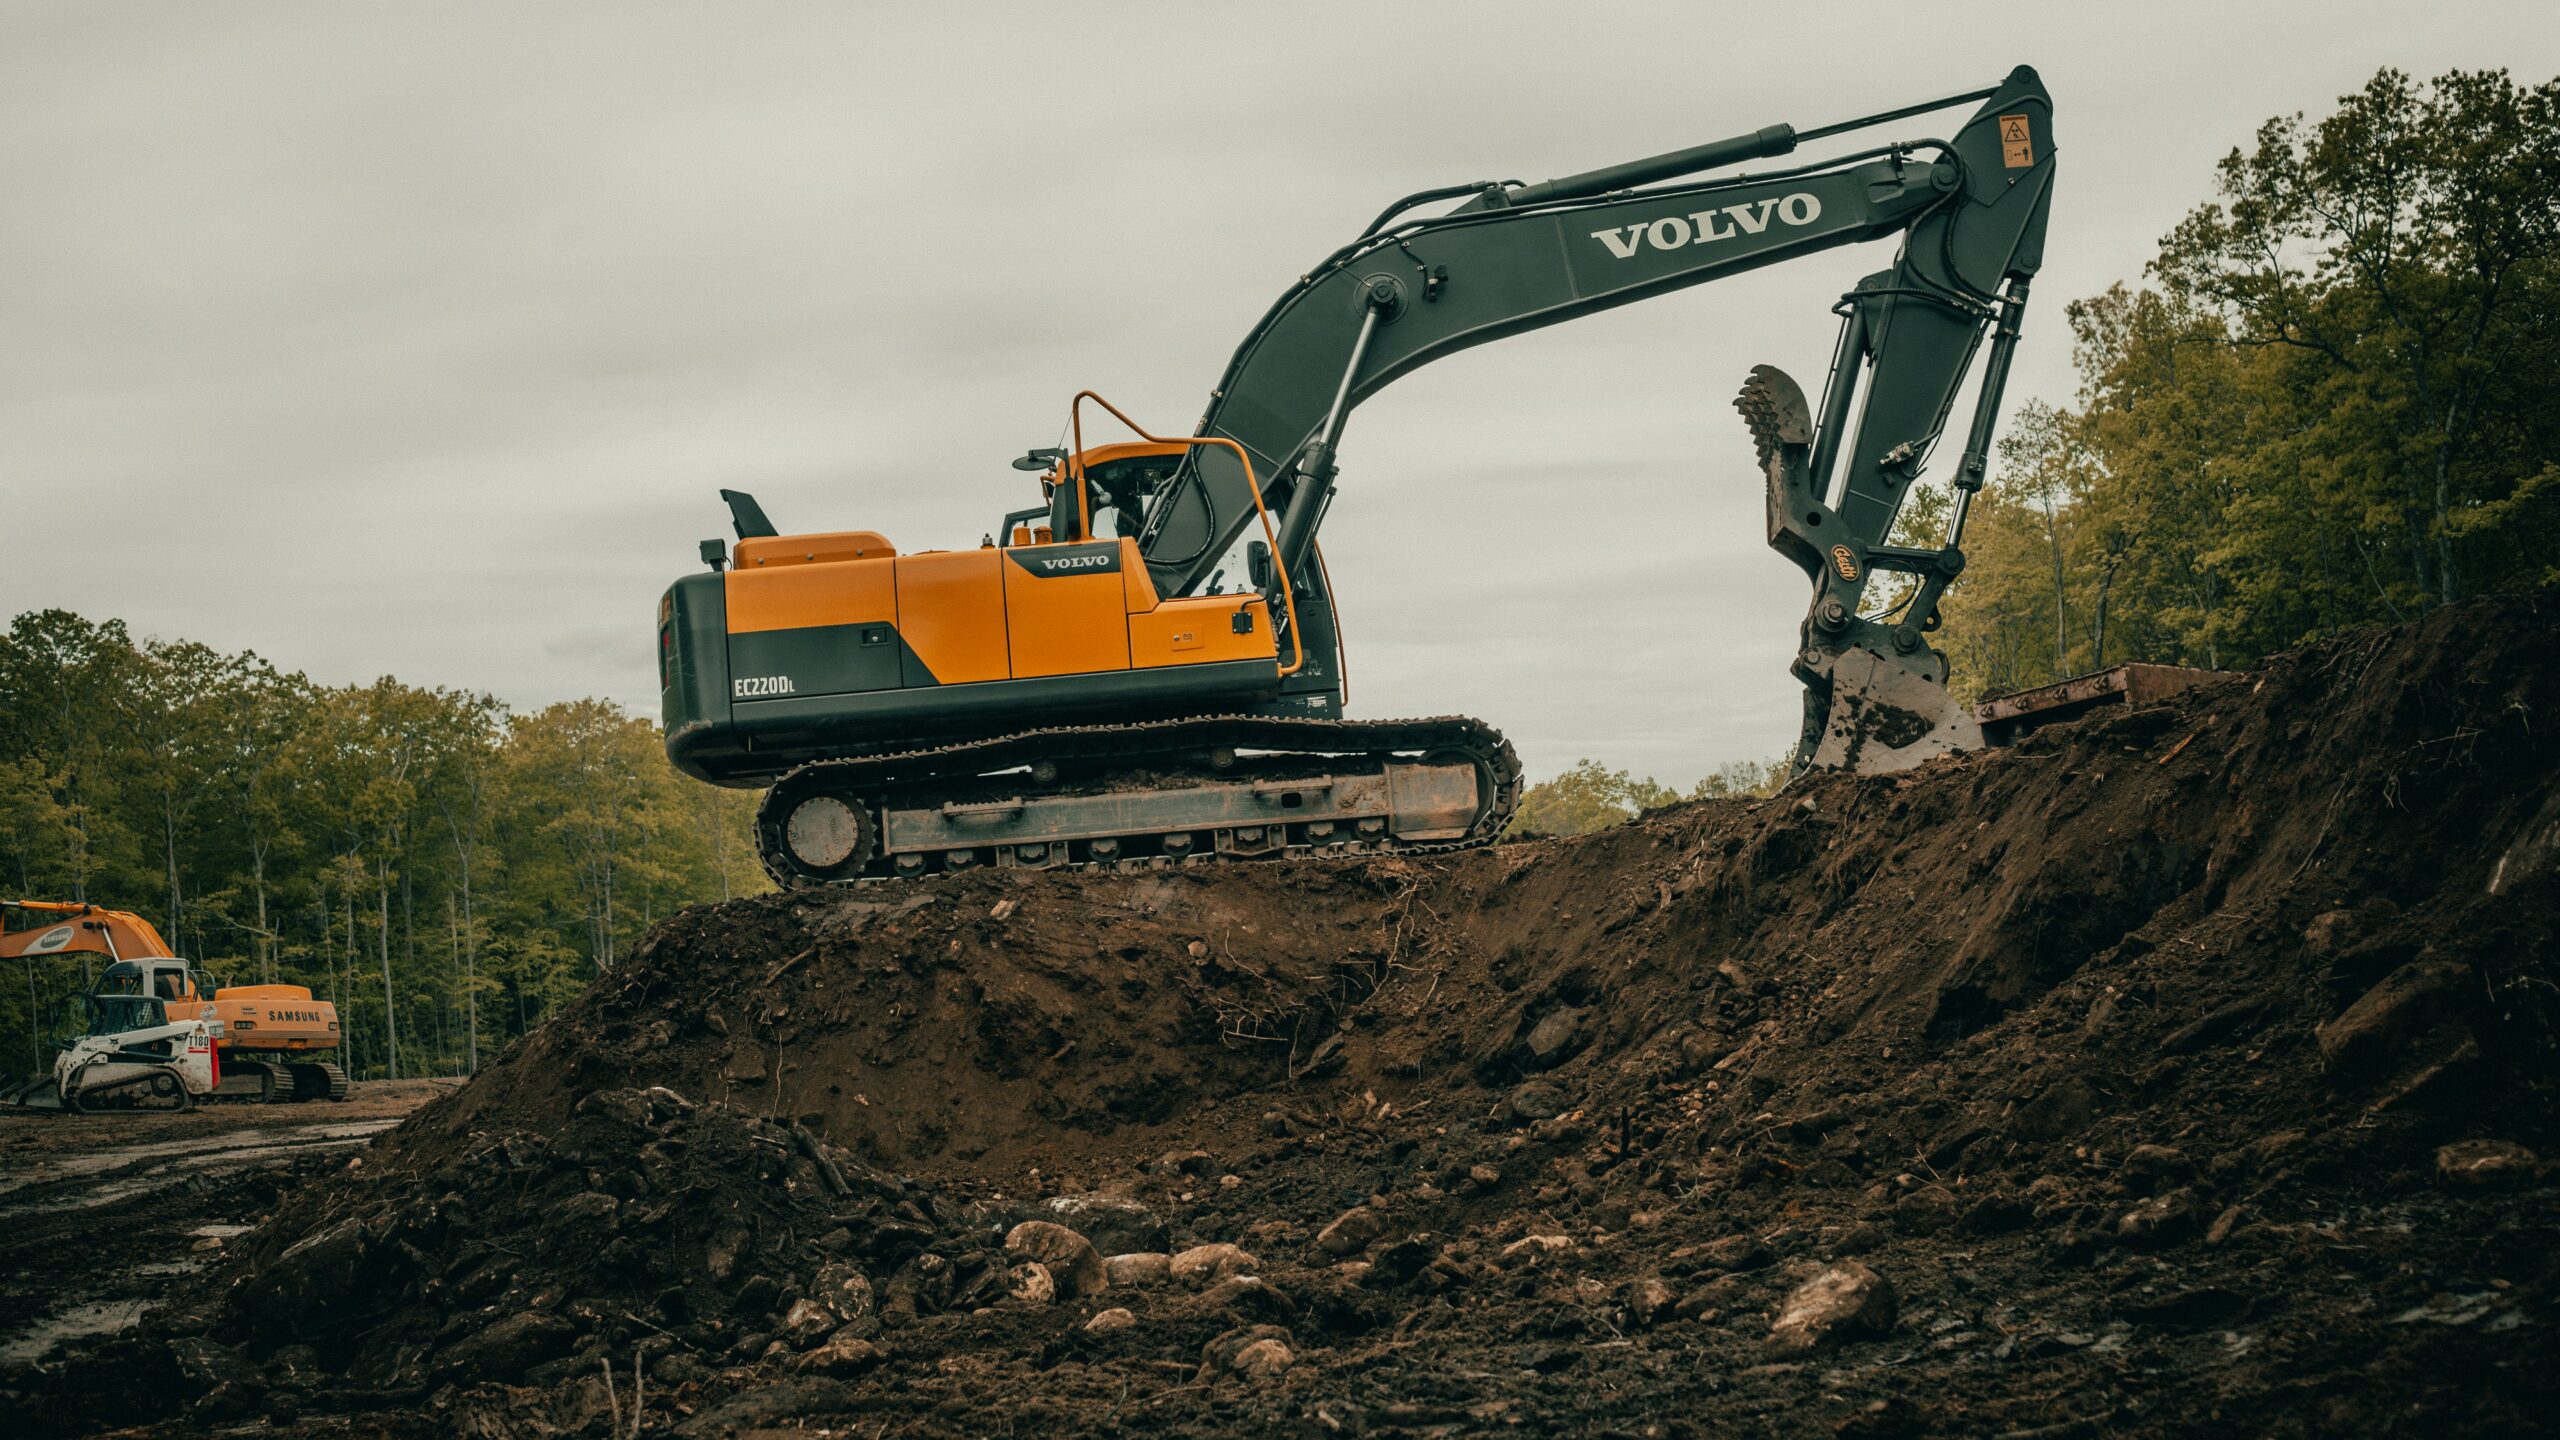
<point>1147,666</point>
<point>153,1035</point>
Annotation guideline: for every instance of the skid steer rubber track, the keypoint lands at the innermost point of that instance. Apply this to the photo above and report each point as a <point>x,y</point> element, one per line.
<point>1136,770</point>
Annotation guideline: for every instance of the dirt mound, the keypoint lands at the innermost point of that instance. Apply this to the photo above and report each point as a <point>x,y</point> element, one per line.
<point>2180,1068</point>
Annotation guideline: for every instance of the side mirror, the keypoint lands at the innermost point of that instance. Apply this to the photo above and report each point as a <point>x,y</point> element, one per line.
<point>1257,564</point>
<point>715,553</point>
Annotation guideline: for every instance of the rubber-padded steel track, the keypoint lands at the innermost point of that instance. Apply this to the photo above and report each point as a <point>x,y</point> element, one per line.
<point>908,775</point>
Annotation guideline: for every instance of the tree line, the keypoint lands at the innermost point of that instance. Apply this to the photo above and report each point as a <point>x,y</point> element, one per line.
<point>444,870</point>
<point>2330,403</point>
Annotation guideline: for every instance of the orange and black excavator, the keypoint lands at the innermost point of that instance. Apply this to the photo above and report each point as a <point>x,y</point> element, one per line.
<point>155,1034</point>
<point>1146,666</point>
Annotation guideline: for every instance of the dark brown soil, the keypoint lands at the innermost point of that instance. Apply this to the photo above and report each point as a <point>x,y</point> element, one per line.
<point>2126,1058</point>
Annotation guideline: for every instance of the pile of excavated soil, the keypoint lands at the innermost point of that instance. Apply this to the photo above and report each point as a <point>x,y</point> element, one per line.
<point>2180,1069</point>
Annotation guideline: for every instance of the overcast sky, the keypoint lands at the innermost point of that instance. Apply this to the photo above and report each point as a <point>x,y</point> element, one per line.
<point>417,338</point>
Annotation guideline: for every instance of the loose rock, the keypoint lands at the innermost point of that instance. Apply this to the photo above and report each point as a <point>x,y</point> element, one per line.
<point>843,1354</point>
<point>1141,1269</point>
<point>1534,1249</point>
<point>1070,1258</point>
<point>1538,1100</point>
<point>2483,1163</point>
<point>2160,1220</point>
<point>1205,1265</point>
<point>2395,1015</point>
<point>1108,1321</point>
<point>1115,1225</point>
<point>1351,1231</point>
<point>1225,1355</point>
<point>1031,1283</point>
<point>806,1323</point>
<point>1844,1302</point>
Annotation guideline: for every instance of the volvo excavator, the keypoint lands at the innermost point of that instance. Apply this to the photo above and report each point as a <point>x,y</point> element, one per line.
<point>1145,667</point>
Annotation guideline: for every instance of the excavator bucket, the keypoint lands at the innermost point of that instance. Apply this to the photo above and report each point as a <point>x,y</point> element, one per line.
<point>1883,718</point>
<point>37,1094</point>
<point>1872,706</point>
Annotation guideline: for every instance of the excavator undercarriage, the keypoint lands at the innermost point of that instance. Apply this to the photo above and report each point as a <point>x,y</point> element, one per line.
<point>1156,793</point>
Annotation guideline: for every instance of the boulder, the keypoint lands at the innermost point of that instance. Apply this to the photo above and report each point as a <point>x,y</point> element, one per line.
<point>2400,1013</point>
<point>844,1354</point>
<point>1115,1225</point>
<point>1352,1231</point>
<point>1071,1259</point>
<point>844,1290</point>
<point>2484,1163</point>
<point>1224,1355</point>
<point>1844,1302</point>
<point>806,1323</point>
<point>1148,1267</point>
<point>1030,1283</point>
<point>1204,1265</point>
<point>2164,1219</point>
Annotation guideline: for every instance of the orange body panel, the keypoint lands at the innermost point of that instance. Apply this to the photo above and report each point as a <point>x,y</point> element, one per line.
<point>850,592</point>
<point>275,1017</point>
<point>1199,630</point>
<point>953,614</point>
<point>1066,624</point>
<point>1139,585</point>
<point>764,551</point>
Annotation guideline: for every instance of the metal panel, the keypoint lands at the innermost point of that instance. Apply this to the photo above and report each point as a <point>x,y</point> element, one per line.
<point>1434,802</point>
<point>1204,807</point>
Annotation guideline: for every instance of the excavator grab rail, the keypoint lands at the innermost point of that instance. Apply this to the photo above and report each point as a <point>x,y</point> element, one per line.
<point>1075,462</point>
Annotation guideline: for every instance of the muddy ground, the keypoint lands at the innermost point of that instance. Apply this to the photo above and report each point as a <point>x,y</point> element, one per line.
<point>102,1216</point>
<point>2186,1070</point>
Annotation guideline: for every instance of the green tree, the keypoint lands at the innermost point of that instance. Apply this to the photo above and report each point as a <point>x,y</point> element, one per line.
<point>2332,408</point>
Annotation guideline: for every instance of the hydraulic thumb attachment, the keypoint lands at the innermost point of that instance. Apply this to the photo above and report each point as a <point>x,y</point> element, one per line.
<point>1876,696</point>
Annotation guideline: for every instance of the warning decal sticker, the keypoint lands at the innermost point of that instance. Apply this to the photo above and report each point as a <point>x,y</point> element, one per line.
<point>2017,147</point>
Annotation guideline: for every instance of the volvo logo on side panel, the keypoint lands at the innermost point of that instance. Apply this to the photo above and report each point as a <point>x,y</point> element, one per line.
<point>1052,561</point>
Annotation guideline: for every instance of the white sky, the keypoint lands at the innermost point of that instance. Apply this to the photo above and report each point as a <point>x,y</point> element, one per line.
<point>416,339</point>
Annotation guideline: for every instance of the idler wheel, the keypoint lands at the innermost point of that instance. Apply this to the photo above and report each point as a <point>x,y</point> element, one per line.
<point>815,838</point>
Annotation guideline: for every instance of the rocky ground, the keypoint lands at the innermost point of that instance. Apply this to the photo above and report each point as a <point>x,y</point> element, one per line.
<point>2181,1070</point>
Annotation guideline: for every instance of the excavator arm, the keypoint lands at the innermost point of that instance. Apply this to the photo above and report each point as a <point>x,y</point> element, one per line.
<point>1970,212</point>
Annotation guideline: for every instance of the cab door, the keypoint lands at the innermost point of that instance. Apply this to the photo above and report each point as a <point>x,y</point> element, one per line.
<point>1066,608</point>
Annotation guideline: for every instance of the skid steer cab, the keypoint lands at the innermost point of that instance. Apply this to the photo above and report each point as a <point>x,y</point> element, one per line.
<point>134,1056</point>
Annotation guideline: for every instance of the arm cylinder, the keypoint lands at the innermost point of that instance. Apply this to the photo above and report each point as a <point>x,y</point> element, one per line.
<point>1758,145</point>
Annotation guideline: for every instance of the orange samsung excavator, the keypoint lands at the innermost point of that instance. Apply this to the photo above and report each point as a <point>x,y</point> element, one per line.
<point>264,1037</point>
